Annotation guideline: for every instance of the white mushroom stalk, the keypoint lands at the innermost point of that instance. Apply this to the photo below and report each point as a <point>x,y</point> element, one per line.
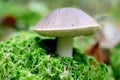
<point>64,46</point>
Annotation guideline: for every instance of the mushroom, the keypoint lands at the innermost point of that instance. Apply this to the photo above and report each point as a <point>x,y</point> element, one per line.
<point>66,23</point>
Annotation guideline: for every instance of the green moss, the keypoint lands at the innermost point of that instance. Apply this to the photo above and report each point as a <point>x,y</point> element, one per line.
<point>26,57</point>
<point>115,61</point>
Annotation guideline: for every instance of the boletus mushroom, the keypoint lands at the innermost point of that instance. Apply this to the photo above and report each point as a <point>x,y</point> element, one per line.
<point>66,23</point>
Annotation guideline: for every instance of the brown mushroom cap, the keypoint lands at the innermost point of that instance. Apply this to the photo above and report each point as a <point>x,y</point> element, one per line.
<point>66,22</point>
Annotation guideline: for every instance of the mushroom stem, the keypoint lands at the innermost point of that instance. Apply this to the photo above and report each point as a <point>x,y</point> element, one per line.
<point>64,46</point>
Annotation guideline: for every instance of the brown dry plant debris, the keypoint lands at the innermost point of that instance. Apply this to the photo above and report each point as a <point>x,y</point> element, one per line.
<point>100,54</point>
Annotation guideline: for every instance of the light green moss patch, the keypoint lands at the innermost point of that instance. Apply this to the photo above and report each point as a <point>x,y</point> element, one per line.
<point>23,58</point>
